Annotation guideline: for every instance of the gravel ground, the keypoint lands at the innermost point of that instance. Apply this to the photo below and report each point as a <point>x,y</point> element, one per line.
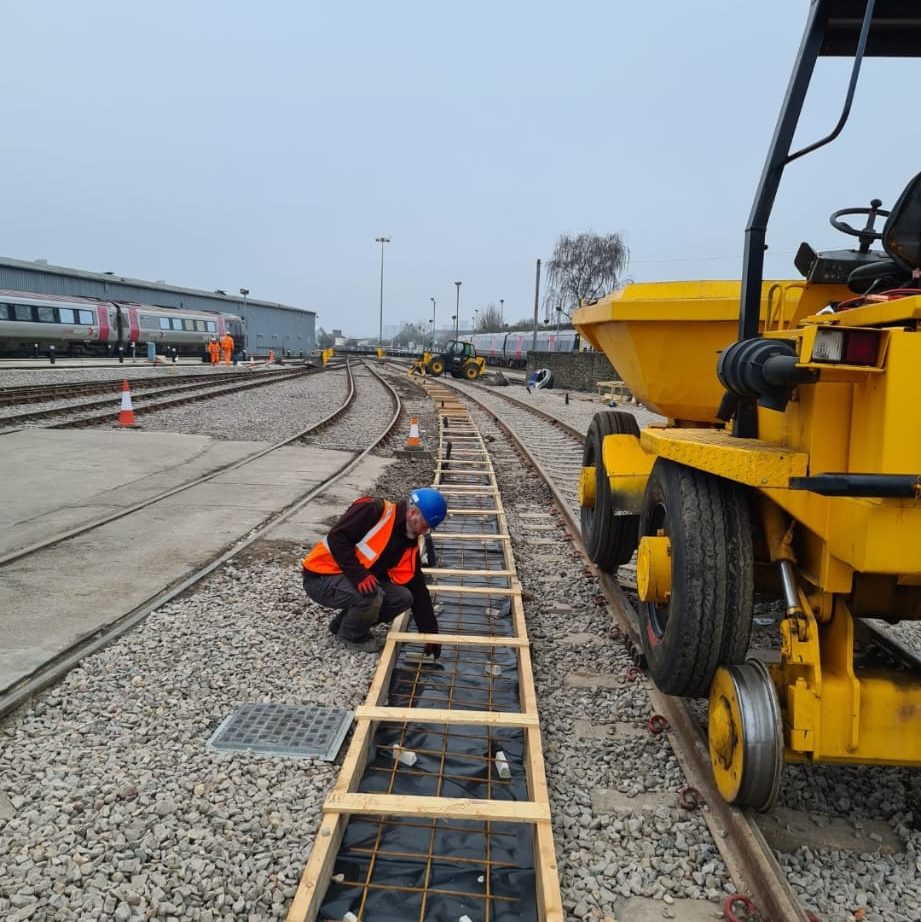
<point>660,852</point>
<point>579,409</point>
<point>841,884</point>
<point>113,807</point>
<point>263,414</point>
<point>60,374</point>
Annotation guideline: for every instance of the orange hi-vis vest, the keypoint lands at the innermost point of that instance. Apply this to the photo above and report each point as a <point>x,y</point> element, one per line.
<point>367,550</point>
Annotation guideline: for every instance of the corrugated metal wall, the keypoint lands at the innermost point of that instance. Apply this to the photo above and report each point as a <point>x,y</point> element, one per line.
<point>269,326</point>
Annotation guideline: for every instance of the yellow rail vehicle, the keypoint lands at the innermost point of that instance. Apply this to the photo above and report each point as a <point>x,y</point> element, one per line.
<point>793,466</point>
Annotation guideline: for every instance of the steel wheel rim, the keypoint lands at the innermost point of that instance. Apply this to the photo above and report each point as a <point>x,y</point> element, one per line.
<point>760,735</point>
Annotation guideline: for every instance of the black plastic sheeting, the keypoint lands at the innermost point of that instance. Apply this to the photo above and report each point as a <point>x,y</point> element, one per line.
<point>395,869</point>
<point>511,880</point>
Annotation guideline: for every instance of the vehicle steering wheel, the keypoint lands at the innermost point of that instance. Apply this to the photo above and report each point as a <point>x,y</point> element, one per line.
<point>869,232</point>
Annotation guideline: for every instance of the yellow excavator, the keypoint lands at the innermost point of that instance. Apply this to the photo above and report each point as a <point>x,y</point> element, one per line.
<point>790,463</point>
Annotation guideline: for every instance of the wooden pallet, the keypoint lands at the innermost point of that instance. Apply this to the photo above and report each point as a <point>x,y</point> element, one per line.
<point>608,390</point>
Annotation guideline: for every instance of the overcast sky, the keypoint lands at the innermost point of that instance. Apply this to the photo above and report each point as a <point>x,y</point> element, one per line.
<point>265,145</point>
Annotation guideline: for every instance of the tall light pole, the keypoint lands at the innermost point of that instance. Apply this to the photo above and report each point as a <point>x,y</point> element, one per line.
<point>457,309</point>
<point>433,323</point>
<point>380,327</point>
<point>501,313</point>
<point>536,302</point>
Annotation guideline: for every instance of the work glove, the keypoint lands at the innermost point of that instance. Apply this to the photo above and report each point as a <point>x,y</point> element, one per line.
<point>432,649</point>
<point>368,584</point>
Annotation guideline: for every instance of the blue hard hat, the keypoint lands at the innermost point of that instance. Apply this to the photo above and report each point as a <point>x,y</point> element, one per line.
<point>431,504</point>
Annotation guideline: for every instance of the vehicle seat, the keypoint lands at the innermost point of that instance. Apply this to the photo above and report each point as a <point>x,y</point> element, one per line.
<point>902,242</point>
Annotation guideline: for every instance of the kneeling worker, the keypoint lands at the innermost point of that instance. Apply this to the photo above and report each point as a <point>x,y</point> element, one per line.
<point>368,567</point>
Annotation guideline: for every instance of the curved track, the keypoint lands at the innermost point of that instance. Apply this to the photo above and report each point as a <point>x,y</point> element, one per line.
<point>27,560</point>
<point>148,396</point>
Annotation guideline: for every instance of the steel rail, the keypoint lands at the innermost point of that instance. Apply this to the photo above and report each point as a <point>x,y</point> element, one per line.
<point>42,393</point>
<point>188,392</point>
<point>742,846</point>
<point>224,468</point>
<point>185,395</point>
<point>53,670</point>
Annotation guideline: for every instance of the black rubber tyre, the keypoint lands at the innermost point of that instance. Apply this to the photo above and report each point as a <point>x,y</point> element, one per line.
<point>471,372</point>
<point>740,574</point>
<point>610,539</point>
<point>707,620</point>
<point>437,366</point>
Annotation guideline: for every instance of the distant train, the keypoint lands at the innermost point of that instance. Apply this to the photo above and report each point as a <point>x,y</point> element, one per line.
<point>512,349</point>
<point>31,322</point>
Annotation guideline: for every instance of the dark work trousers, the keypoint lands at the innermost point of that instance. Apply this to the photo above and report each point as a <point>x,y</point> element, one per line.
<point>361,612</point>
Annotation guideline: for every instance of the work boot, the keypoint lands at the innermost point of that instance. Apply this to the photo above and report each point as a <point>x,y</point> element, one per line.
<point>336,623</point>
<point>367,644</point>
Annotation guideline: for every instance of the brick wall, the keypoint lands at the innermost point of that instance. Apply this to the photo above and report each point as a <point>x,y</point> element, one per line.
<point>577,371</point>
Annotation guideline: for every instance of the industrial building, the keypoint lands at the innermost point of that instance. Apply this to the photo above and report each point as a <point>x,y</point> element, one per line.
<point>268,325</point>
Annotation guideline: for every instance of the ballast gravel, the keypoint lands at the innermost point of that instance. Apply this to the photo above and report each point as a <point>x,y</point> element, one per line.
<point>113,807</point>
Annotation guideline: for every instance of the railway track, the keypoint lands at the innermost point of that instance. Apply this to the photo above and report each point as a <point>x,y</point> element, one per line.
<point>148,396</point>
<point>555,450</point>
<point>19,395</point>
<point>237,637</point>
<point>28,568</point>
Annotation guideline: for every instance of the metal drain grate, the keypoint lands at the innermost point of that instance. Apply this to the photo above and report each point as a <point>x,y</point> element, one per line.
<point>303,731</point>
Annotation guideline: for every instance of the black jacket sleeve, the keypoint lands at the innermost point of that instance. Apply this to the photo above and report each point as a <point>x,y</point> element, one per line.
<point>423,611</point>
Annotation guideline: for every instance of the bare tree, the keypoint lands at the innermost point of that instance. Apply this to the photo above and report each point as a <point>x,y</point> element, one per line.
<point>489,320</point>
<point>410,333</point>
<point>583,268</point>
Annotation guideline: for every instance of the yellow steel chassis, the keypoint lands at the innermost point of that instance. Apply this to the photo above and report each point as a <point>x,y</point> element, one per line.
<point>852,556</point>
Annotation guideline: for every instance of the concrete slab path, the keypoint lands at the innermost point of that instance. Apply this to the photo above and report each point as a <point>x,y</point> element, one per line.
<point>53,480</point>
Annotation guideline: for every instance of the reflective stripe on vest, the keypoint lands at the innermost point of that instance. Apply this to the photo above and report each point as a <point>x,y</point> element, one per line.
<point>367,550</point>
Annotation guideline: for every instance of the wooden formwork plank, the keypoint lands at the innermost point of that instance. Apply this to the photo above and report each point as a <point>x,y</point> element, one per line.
<point>380,681</point>
<point>518,620</point>
<point>461,640</point>
<point>473,590</point>
<point>452,718</point>
<point>312,886</point>
<point>441,466</point>
<point>453,808</point>
<point>470,453</point>
<point>549,898</point>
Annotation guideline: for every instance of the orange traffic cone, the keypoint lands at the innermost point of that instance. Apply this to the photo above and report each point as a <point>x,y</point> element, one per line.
<point>413,443</point>
<point>126,418</point>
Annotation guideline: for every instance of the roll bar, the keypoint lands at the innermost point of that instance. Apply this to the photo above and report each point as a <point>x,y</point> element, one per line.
<point>834,28</point>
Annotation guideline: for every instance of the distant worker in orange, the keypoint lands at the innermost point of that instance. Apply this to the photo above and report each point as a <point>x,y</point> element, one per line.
<point>227,345</point>
<point>214,351</point>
